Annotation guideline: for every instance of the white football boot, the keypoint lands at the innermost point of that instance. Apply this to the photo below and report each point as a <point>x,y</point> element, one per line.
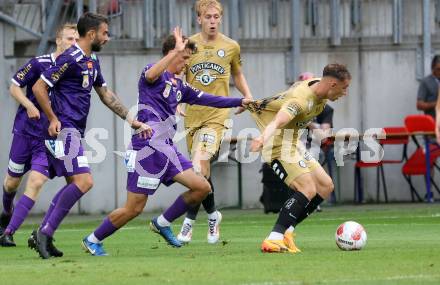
<point>185,234</point>
<point>214,228</point>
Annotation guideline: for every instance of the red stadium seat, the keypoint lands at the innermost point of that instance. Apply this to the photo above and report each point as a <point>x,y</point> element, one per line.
<point>416,164</point>
<point>393,136</point>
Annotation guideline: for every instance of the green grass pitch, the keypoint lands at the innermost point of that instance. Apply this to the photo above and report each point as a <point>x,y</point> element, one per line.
<point>403,248</point>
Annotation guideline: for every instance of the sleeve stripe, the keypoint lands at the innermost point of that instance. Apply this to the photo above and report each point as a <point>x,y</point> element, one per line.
<point>15,82</point>
<point>200,94</point>
<point>46,80</point>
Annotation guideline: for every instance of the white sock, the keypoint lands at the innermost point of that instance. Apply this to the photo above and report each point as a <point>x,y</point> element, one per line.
<point>189,221</point>
<point>290,229</point>
<point>275,236</point>
<point>162,221</point>
<point>213,216</point>
<point>93,238</point>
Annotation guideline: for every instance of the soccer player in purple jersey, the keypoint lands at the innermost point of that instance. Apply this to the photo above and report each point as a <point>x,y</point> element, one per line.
<point>77,70</point>
<point>156,160</point>
<point>27,149</point>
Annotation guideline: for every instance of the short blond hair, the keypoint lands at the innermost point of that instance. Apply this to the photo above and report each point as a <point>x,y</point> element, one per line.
<point>203,5</point>
<point>66,26</point>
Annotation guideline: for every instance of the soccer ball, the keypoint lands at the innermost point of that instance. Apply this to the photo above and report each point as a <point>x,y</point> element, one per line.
<point>351,236</point>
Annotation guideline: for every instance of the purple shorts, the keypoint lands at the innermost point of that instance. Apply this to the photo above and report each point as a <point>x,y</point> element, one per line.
<point>66,158</point>
<point>27,153</point>
<point>148,167</point>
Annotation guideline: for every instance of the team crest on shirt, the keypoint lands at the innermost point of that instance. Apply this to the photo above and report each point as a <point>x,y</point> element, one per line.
<point>179,96</point>
<point>206,78</point>
<point>221,53</point>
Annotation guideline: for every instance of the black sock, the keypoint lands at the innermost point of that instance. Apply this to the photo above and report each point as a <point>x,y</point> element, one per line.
<point>311,207</point>
<point>209,203</point>
<point>192,212</point>
<point>290,213</point>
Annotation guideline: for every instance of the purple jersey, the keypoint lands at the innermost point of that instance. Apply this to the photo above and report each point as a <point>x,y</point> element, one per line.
<point>71,80</point>
<point>26,76</point>
<point>158,101</point>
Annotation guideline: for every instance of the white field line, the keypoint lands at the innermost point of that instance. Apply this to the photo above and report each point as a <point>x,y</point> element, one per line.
<point>351,281</point>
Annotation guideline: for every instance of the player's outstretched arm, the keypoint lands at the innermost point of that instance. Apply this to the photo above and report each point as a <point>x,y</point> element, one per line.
<point>112,101</point>
<point>193,96</point>
<point>281,119</point>
<point>21,98</point>
<point>41,94</point>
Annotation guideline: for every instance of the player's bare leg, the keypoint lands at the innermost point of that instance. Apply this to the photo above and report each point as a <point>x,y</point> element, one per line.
<point>115,220</point>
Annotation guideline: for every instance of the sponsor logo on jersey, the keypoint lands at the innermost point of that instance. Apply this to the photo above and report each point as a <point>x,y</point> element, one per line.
<point>148,182</point>
<point>167,90</point>
<point>206,66</point>
<point>56,75</point>
<point>21,75</point>
<point>130,160</point>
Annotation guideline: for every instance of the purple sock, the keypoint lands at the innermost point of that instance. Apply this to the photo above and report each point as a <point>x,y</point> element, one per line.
<point>105,229</point>
<point>8,199</point>
<point>177,209</point>
<point>21,211</point>
<point>71,194</point>
<point>52,206</point>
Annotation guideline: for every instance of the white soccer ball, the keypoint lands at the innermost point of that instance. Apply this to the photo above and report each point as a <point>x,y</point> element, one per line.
<point>351,236</point>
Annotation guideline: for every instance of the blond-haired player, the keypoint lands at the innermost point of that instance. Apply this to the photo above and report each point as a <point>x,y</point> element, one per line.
<point>280,118</point>
<point>210,69</point>
<point>28,152</point>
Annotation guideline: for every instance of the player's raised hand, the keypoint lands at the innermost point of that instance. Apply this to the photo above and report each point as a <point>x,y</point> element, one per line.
<point>180,42</point>
<point>257,144</point>
<point>142,129</point>
<point>33,112</point>
<point>54,127</point>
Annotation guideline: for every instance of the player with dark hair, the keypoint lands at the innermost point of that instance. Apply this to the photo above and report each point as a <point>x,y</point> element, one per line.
<point>427,94</point>
<point>289,112</point>
<point>27,149</point>
<point>156,160</point>
<point>77,70</point>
